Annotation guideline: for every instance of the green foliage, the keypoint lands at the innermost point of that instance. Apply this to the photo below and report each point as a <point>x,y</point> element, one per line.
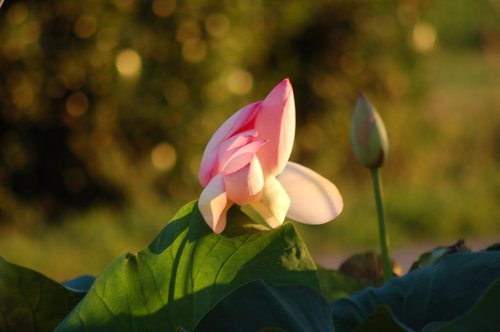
<point>483,316</point>
<point>382,319</point>
<point>30,301</point>
<point>335,284</point>
<point>188,269</point>
<point>256,306</point>
<point>442,292</point>
<point>252,278</point>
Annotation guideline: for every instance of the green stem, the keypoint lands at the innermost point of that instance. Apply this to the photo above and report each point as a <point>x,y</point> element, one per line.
<point>384,251</point>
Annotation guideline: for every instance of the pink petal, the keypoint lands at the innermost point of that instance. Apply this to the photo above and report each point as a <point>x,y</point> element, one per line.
<point>213,204</point>
<point>239,122</point>
<point>231,145</point>
<point>276,122</point>
<point>314,199</point>
<point>273,203</point>
<point>244,185</point>
<point>241,157</point>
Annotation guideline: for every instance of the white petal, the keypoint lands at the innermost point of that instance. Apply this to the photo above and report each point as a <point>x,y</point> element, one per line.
<point>314,199</point>
<point>244,185</point>
<point>213,204</point>
<point>273,204</point>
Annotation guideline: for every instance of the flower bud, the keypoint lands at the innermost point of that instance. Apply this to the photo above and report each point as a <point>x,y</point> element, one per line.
<point>368,135</point>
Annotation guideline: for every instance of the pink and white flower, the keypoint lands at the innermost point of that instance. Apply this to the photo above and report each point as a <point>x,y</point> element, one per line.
<point>246,162</point>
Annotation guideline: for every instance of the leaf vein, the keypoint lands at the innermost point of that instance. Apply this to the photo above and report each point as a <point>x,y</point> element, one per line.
<point>109,309</point>
<point>224,264</point>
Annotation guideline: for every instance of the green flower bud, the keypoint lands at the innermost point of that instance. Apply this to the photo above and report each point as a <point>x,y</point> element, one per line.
<point>368,135</point>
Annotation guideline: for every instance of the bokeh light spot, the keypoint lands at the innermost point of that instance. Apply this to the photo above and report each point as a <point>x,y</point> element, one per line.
<point>17,13</point>
<point>163,156</point>
<point>124,4</point>
<point>194,50</point>
<point>424,37</point>
<point>239,82</point>
<point>128,63</point>
<point>85,26</point>
<point>163,8</point>
<point>77,104</point>
<point>217,25</point>
<point>188,30</point>
<point>23,95</point>
<point>30,32</point>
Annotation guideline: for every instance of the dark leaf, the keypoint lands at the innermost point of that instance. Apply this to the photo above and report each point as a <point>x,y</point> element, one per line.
<point>30,301</point>
<point>335,284</point>
<point>483,316</point>
<point>438,293</point>
<point>257,306</point>
<point>382,319</point>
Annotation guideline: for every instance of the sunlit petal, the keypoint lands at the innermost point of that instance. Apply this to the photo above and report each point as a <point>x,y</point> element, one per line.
<point>242,157</point>
<point>213,204</point>
<point>273,204</point>
<point>276,122</point>
<point>314,199</point>
<point>241,121</point>
<point>231,145</point>
<point>244,185</point>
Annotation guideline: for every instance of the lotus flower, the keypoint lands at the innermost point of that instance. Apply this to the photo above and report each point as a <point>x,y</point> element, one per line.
<point>246,162</point>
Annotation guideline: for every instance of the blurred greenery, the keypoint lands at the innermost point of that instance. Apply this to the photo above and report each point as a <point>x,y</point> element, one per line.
<point>106,106</point>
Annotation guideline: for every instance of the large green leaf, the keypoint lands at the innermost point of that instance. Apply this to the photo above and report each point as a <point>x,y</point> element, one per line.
<point>257,306</point>
<point>187,270</point>
<point>335,284</point>
<point>438,293</point>
<point>483,316</point>
<point>382,319</point>
<point>30,301</point>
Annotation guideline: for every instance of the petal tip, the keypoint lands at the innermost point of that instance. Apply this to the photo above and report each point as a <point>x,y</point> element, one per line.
<point>284,88</point>
<point>286,81</point>
<point>338,206</point>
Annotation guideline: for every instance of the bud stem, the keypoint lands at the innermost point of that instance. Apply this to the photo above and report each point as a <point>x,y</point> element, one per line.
<point>384,251</point>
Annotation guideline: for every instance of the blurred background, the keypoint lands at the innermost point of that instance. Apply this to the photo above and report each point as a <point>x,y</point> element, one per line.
<point>106,106</point>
